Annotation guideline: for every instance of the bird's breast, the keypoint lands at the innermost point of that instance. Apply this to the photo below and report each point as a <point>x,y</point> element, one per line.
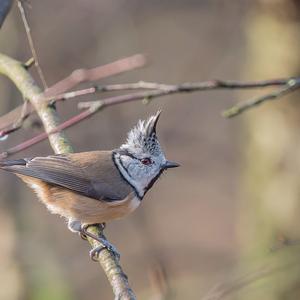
<point>70,204</point>
<point>91,211</point>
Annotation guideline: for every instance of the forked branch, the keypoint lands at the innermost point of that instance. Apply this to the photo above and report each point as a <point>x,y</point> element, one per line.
<point>151,90</point>
<point>15,71</point>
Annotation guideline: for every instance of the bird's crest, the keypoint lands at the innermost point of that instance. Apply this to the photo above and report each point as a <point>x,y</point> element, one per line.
<point>142,137</point>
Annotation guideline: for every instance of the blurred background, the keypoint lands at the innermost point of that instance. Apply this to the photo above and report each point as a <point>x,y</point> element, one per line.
<point>203,226</point>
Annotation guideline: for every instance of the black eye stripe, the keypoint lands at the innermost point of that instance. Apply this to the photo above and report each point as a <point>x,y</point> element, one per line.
<point>127,153</point>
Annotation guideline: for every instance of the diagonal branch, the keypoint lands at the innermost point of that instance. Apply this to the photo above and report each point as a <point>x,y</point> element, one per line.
<point>290,86</point>
<point>187,87</point>
<point>18,123</point>
<point>84,75</point>
<point>157,89</point>
<point>68,83</point>
<point>43,136</point>
<point>30,41</point>
<point>154,90</point>
<point>15,71</point>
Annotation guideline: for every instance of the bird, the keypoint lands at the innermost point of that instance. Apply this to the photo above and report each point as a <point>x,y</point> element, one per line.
<point>96,187</point>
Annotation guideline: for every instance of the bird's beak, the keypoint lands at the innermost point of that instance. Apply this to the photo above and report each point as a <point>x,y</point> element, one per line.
<point>170,164</point>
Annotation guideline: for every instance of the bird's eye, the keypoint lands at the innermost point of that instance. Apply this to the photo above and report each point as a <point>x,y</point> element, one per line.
<point>146,161</point>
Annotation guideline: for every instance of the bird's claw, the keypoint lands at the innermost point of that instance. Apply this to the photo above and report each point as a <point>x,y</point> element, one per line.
<point>105,244</point>
<point>83,236</point>
<point>83,229</point>
<point>94,253</point>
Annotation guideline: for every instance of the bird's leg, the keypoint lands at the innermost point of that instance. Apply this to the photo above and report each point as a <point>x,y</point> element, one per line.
<point>74,225</point>
<point>94,253</point>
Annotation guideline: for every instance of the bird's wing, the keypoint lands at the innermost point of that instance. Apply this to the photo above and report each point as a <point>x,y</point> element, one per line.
<point>65,171</point>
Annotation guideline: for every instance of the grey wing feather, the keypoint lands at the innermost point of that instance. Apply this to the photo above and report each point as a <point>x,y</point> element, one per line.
<point>60,170</point>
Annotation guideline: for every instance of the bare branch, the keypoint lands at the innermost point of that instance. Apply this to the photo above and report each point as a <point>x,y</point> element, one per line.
<point>31,44</point>
<point>290,86</point>
<point>57,91</point>
<point>22,146</point>
<point>29,63</point>
<point>159,90</point>
<point>18,123</point>
<point>9,119</point>
<point>156,90</point>
<point>83,75</point>
<point>114,68</point>
<point>43,136</point>
<point>179,88</point>
<point>25,83</point>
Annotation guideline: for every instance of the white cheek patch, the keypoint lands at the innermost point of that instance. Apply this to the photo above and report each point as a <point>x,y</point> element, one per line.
<point>137,185</point>
<point>136,174</point>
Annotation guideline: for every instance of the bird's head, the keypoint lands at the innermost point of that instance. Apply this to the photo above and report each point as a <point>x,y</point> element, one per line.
<point>141,160</point>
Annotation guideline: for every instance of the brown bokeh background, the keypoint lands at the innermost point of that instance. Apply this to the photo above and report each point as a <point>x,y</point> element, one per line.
<point>187,224</point>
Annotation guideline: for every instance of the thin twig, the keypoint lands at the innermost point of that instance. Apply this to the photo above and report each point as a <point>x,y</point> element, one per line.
<point>93,107</point>
<point>31,44</point>
<point>29,63</point>
<point>8,120</point>
<point>159,90</point>
<point>106,88</point>
<point>239,108</point>
<point>18,123</point>
<point>43,136</point>
<point>146,96</point>
<point>114,68</point>
<point>171,88</point>
<point>57,91</point>
<point>84,75</point>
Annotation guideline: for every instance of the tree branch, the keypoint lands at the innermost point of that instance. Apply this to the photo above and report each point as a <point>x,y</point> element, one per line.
<point>31,44</point>
<point>290,86</point>
<point>76,77</point>
<point>186,87</point>
<point>156,90</point>
<point>18,123</point>
<point>84,75</point>
<point>43,136</point>
<point>57,91</point>
<point>25,83</point>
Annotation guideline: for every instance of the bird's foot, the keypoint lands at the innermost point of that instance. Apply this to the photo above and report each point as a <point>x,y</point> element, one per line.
<point>83,229</point>
<point>74,225</point>
<point>94,253</point>
<point>105,244</point>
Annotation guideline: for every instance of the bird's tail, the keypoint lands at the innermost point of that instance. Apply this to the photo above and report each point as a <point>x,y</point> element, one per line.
<point>10,163</point>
